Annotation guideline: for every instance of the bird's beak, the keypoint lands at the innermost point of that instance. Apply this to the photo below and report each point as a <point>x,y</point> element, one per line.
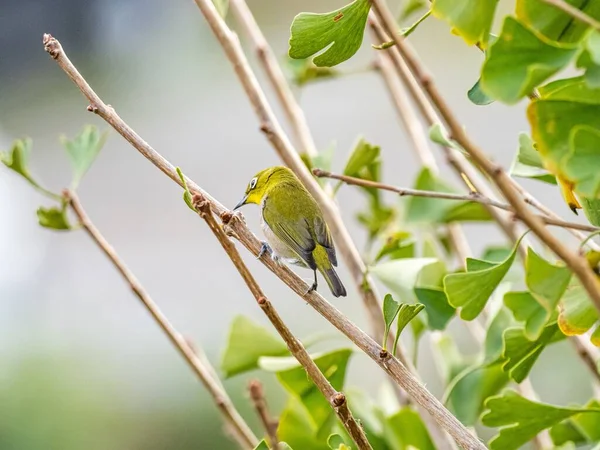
<point>241,203</point>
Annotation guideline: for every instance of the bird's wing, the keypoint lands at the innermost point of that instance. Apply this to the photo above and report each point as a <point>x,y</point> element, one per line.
<point>323,237</point>
<point>295,234</point>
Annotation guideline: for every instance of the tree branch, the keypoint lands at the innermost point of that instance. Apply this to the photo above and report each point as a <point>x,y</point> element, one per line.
<point>392,366</point>
<point>472,197</point>
<point>260,405</point>
<point>235,422</point>
<point>575,13</point>
<point>499,176</point>
<point>336,399</point>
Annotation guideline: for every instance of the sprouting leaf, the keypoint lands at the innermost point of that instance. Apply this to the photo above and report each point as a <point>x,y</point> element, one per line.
<point>407,431</point>
<point>363,155</point>
<point>577,313</point>
<point>526,309</point>
<point>470,19</point>
<point>222,7</point>
<point>405,315</point>
<point>54,218</point>
<point>547,282</point>
<point>336,442</point>
<point>410,7</point>
<point>304,71</point>
<point>187,196</point>
<point>398,245</point>
<point>83,150</point>
<point>521,419</point>
<point>262,445</point>
<point>554,23</point>
<point>297,428</point>
<point>528,163</point>
<point>390,311</point>
<point>437,135</point>
<point>339,33</point>
<point>438,310</point>
<point>519,61</point>
<point>333,365</point>
<point>18,160</point>
<point>520,353</point>
<point>471,290</point>
<point>246,343</point>
<point>401,276</point>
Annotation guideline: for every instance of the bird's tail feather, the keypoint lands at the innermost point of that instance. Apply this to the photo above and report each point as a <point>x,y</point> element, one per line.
<point>336,286</point>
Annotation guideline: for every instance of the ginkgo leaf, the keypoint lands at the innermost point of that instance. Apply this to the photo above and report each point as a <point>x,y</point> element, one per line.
<point>470,19</point>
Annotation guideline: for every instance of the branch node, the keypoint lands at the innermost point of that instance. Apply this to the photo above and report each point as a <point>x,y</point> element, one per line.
<point>267,128</point>
<point>226,217</point>
<point>383,354</point>
<point>262,301</point>
<point>201,204</point>
<point>51,45</point>
<point>338,399</point>
<point>92,108</point>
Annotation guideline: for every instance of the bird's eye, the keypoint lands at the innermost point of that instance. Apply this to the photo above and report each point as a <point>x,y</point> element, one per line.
<point>253,183</point>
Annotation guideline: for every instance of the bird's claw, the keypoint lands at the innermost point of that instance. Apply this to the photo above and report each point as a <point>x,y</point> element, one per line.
<point>264,248</point>
<point>312,288</point>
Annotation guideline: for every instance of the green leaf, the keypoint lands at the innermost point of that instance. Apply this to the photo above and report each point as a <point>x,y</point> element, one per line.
<point>262,445</point>
<point>494,338</point>
<point>398,245</point>
<point>187,196</point>
<point>410,7</point>
<point>470,19</point>
<point>424,209</point>
<point>333,365</point>
<point>577,313</point>
<point>546,282</point>
<point>407,431</point>
<point>246,343</point>
<point>466,212</point>
<point>390,311</point>
<point>339,33</point>
<point>437,135</point>
<point>336,442</point>
<point>521,419</point>
<point>519,61</point>
<point>222,7</point>
<point>589,59</point>
<point>526,309</point>
<point>405,315</point>
<point>18,160</point>
<point>477,96</point>
<point>471,290</point>
<point>304,71</point>
<point>520,353</point>
<point>528,163</point>
<point>438,310</point>
<point>363,155</point>
<point>566,431</point>
<point>297,428</point>
<point>552,22</point>
<point>54,218</point>
<point>401,276</point>
<point>83,150</point>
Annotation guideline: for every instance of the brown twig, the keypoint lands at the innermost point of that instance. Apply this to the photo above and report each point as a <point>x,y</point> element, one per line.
<point>280,142</point>
<point>235,422</point>
<point>472,197</point>
<point>575,13</point>
<point>260,405</point>
<point>497,174</point>
<point>392,366</point>
<point>336,399</point>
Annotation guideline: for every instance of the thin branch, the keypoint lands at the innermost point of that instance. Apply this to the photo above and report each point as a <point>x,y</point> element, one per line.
<point>391,365</point>
<point>260,405</point>
<point>575,13</point>
<point>235,422</point>
<point>336,399</point>
<point>280,142</point>
<point>498,175</point>
<point>472,197</point>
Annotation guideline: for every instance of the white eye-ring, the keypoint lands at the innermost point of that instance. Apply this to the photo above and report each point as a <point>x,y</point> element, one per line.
<point>253,183</point>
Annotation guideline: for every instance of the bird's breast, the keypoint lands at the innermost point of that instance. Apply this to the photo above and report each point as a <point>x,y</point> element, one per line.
<point>279,247</point>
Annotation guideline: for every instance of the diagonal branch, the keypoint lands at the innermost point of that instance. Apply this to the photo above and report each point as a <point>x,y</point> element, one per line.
<point>497,174</point>
<point>336,399</point>
<point>205,373</point>
<point>471,197</point>
<point>280,142</point>
<point>391,365</point>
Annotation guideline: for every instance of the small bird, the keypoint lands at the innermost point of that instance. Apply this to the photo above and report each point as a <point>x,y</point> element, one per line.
<point>293,224</point>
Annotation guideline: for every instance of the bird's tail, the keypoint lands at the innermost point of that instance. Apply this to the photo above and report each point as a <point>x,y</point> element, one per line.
<point>336,286</point>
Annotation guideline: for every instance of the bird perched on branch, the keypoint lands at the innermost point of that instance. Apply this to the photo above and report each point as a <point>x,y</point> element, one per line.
<point>293,224</point>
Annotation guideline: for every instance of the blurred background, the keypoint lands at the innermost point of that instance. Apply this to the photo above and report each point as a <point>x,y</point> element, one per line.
<point>82,365</point>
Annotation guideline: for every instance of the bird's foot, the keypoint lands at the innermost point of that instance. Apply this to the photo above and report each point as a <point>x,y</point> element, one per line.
<point>312,288</point>
<point>265,248</point>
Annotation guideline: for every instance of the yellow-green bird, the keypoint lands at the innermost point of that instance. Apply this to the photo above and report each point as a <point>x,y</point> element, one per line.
<point>293,224</point>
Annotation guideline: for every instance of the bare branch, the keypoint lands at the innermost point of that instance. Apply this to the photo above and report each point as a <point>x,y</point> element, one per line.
<point>498,175</point>
<point>260,405</point>
<point>235,422</point>
<point>336,399</point>
<point>238,229</point>
<point>575,13</point>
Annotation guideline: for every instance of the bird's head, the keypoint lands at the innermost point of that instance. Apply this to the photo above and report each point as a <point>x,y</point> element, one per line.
<point>260,185</point>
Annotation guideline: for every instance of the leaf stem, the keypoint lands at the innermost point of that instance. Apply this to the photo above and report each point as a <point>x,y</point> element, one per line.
<point>241,431</point>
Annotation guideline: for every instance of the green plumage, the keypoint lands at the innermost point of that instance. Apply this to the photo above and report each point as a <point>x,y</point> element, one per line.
<point>293,223</point>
